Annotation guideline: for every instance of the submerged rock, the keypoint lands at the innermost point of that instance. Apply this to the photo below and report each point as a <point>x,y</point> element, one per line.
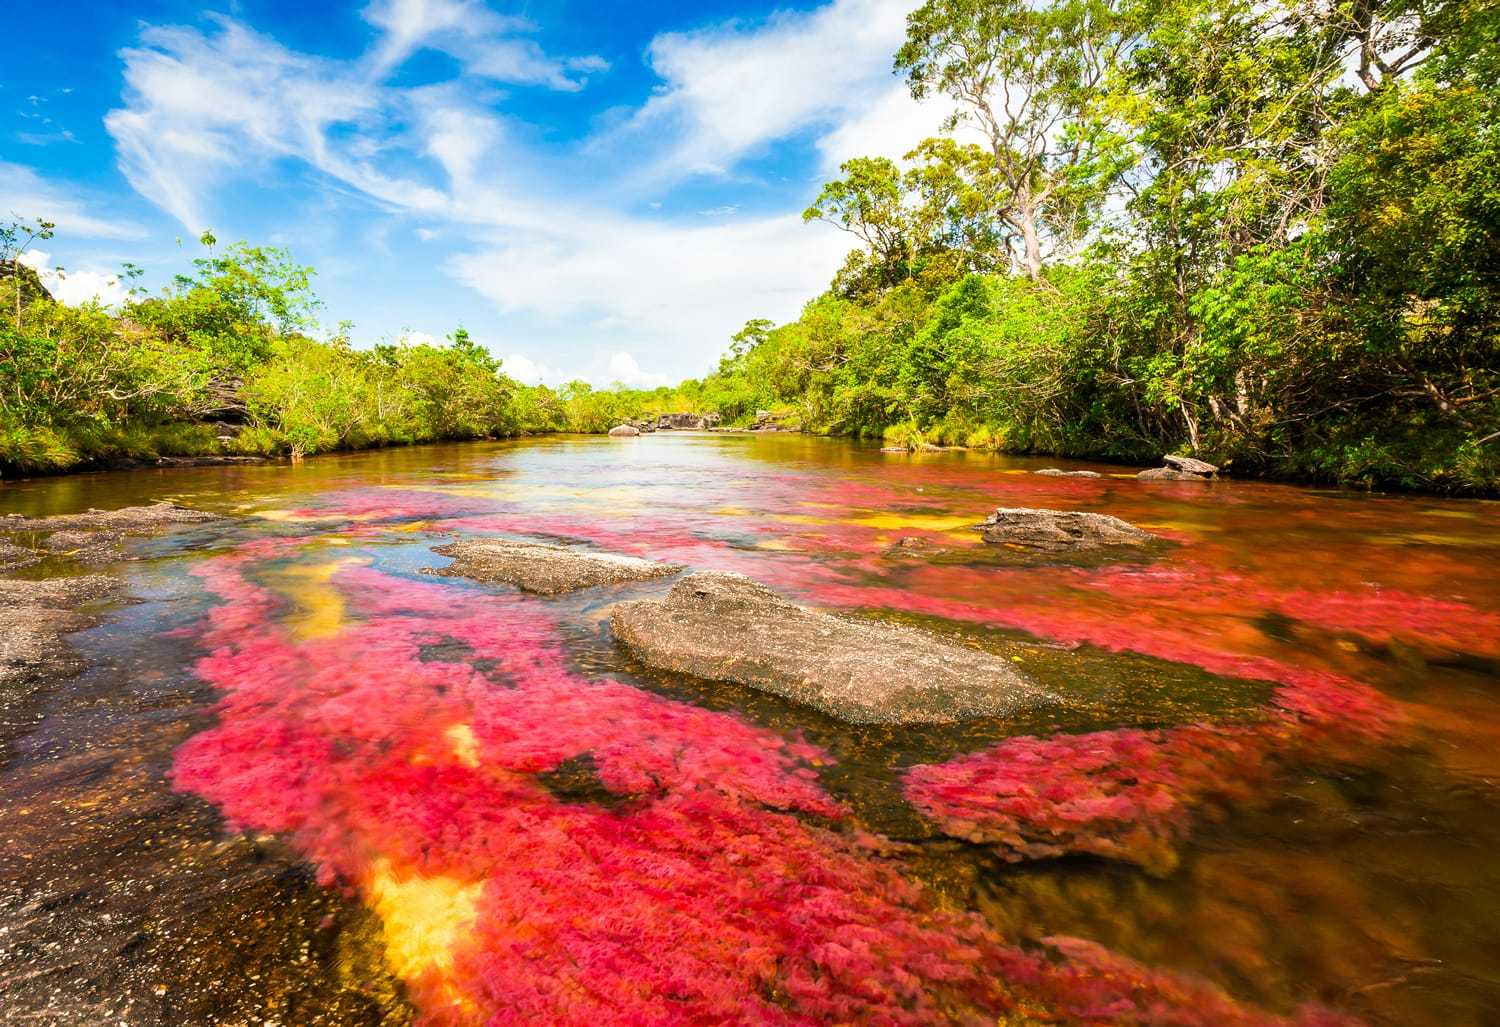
<point>1059,530</point>
<point>96,536</point>
<point>727,627</point>
<point>1180,468</point>
<point>623,431</point>
<point>34,615</point>
<point>12,555</point>
<point>1058,472</point>
<point>545,569</point>
<point>136,520</point>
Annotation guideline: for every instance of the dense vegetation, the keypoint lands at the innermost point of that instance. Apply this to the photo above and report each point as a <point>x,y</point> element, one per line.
<point>223,354</point>
<point>1267,233</point>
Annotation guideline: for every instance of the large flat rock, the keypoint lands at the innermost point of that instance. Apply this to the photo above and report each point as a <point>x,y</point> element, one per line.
<point>725,627</point>
<point>34,615</point>
<point>1060,530</point>
<point>94,536</point>
<point>134,520</point>
<point>545,569</point>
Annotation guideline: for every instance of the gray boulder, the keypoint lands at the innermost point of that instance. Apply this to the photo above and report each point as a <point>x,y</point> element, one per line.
<point>1190,466</point>
<point>1058,472</point>
<point>1180,468</point>
<point>725,627</point>
<point>1168,474</point>
<point>544,569</point>
<point>1060,530</point>
<point>622,431</point>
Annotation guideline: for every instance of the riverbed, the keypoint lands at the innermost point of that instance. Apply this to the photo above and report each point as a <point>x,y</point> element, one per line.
<point>304,781</point>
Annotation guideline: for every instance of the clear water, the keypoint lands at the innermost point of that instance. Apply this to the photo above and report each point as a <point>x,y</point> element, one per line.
<point>303,782</point>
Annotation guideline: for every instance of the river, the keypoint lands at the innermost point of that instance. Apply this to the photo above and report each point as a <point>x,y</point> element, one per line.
<point>303,782</point>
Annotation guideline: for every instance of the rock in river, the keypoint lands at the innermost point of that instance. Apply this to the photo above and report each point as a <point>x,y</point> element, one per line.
<point>624,431</point>
<point>1059,530</point>
<point>1180,468</point>
<point>33,617</point>
<point>134,520</point>
<point>1058,472</point>
<point>96,536</point>
<point>726,627</point>
<point>545,569</point>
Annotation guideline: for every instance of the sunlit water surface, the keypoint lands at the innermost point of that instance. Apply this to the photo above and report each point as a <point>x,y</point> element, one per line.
<point>304,782</point>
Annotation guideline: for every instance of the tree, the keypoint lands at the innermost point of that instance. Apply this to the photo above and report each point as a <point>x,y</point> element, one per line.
<point>16,237</point>
<point>1029,77</point>
<point>869,202</point>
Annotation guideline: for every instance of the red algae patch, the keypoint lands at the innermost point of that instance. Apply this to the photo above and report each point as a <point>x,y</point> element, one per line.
<point>1129,793</point>
<point>404,746</point>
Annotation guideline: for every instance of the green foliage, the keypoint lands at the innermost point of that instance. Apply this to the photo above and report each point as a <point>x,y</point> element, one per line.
<point>1296,274</point>
<point>78,384</point>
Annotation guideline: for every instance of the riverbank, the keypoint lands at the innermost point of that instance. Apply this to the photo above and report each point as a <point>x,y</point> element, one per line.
<point>1104,463</point>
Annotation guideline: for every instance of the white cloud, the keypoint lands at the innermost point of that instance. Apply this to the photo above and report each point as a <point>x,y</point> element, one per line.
<point>486,44</point>
<point>731,89</point>
<point>204,108</point>
<point>603,370</point>
<point>25,194</point>
<point>418,339</point>
<point>531,372</point>
<point>890,126</point>
<point>201,108</point>
<point>75,287</point>
<point>680,290</point>
<point>623,369</point>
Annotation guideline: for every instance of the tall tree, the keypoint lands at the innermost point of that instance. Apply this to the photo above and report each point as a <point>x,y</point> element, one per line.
<point>1029,77</point>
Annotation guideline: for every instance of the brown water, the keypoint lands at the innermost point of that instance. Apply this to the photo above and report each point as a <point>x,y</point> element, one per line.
<point>304,783</point>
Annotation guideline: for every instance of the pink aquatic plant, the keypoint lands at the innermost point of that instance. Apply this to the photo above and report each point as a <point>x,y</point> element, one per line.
<point>1131,793</point>
<point>545,847</point>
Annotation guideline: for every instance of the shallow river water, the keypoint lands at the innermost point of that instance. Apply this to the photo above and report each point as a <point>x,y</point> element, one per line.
<point>302,782</point>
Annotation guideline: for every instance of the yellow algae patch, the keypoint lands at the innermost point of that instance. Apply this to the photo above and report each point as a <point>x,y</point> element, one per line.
<point>462,746</point>
<point>465,745</point>
<point>320,610</point>
<point>292,517</point>
<point>924,522</point>
<point>423,919</point>
<point>805,519</point>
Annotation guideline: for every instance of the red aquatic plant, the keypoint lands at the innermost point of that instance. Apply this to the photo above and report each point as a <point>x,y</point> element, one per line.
<point>1131,793</point>
<point>547,847</point>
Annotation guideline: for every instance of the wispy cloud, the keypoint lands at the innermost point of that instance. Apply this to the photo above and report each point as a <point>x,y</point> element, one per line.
<point>731,89</point>
<point>544,234</point>
<point>24,193</point>
<point>488,45</point>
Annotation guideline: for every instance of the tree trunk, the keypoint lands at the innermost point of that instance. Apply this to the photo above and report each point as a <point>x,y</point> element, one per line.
<point>1033,258</point>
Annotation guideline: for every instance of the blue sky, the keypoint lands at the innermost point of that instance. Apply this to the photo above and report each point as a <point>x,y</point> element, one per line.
<point>598,189</point>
